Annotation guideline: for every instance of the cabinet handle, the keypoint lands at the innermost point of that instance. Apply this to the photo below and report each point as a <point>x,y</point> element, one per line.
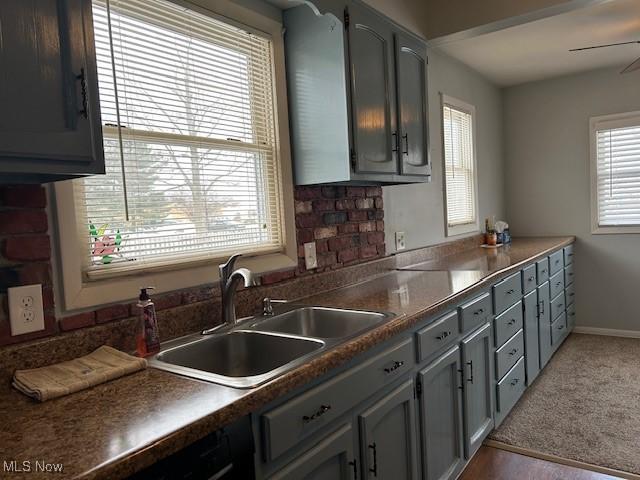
<point>572,314</point>
<point>541,307</point>
<point>514,382</point>
<point>560,327</point>
<point>513,352</point>
<point>511,291</point>
<point>395,366</point>
<point>354,464</point>
<point>557,262</point>
<point>83,88</point>
<point>531,279</point>
<point>470,379</point>
<point>558,283</point>
<point>321,411</point>
<point>405,151</point>
<point>480,311</point>
<point>443,335</point>
<point>511,322</point>
<point>394,141</point>
<point>461,372</point>
<point>560,305</point>
<point>544,270</point>
<point>374,469</point>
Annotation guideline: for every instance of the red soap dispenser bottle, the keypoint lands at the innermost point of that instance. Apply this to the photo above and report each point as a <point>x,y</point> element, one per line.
<point>148,339</point>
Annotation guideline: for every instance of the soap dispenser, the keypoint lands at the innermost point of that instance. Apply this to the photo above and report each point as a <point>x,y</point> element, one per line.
<point>148,339</point>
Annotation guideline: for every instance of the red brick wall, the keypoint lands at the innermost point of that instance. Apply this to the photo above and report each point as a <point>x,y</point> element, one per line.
<point>345,222</point>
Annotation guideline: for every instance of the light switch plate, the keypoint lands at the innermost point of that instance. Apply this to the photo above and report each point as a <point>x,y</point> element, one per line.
<point>25,309</point>
<point>310,258</point>
<point>400,241</point>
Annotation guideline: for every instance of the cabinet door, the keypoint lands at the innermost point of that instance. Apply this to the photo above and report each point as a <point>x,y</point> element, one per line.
<point>478,393</point>
<point>330,459</point>
<point>411,80</point>
<point>441,417</point>
<point>532,344</point>
<point>544,323</point>
<point>50,120</point>
<point>388,436</point>
<point>373,104</point>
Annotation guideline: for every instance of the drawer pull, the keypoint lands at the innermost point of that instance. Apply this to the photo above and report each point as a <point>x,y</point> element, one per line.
<point>374,469</point>
<point>558,283</point>
<point>544,270</point>
<point>461,372</point>
<point>514,382</point>
<point>480,311</point>
<point>470,379</point>
<point>570,274</point>
<point>354,464</point>
<point>443,335</point>
<point>557,262</point>
<point>571,294</point>
<point>321,411</point>
<point>513,352</point>
<point>560,305</point>
<point>560,327</point>
<point>573,314</point>
<point>511,291</point>
<point>395,366</point>
<point>511,322</point>
<point>531,279</point>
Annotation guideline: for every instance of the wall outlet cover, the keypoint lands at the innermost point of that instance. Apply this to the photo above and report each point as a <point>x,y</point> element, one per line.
<point>400,241</point>
<point>310,258</point>
<point>25,309</point>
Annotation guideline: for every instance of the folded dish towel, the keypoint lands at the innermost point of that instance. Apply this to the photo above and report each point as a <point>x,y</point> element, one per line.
<point>61,379</point>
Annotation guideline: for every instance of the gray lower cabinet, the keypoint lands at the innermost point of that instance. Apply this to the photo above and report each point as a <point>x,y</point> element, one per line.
<point>388,436</point>
<point>441,417</point>
<point>50,124</point>
<point>544,324</point>
<point>531,336</point>
<point>331,459</point>
<point>478,396</point>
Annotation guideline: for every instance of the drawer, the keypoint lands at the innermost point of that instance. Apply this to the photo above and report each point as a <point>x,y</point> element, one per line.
<point>568,275</point>
<point>440,334</point>
<point>556,262</point>
<point>475,312</point>
<point>557,306</point>
<point>558,330</point>
<point>510,388</point>
<point>506,293</point>
<point>570,294</point>
<point>571,317</point>
<point>508,354</point>
<point>542,270</point>
<point>285,426</point>
<point>568,254</point>
<point>508,323</point>
<point>529,282</point>
<point>556,284</point>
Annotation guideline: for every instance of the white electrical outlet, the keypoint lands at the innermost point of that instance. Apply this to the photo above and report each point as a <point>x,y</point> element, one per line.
<point>400,241</point>
<point>25,309</point>
<point>310,258</point>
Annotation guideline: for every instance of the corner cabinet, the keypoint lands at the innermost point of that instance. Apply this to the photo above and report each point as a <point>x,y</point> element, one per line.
<point>357,86</point>
<point>50,123</point>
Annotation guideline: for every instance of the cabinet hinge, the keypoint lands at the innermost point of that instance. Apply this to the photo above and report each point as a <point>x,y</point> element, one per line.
<point>418,388</point>
<point>347,19</point>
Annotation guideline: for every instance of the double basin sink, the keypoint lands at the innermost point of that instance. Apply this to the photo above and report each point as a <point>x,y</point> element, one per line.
<point>258,349</point>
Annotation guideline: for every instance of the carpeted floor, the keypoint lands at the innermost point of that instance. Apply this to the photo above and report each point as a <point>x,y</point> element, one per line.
<point>584,406</point>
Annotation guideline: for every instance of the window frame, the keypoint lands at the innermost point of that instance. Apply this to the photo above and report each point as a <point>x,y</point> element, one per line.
<point>472,227</point>
<point>616,120</point>
<point>78,293</point>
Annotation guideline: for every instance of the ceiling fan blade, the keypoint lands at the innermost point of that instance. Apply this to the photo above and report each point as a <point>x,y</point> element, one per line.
<point>634,66</point>
<point>602,46</point>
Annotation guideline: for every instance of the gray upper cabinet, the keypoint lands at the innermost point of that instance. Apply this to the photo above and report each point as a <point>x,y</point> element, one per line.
<point>441,417</point>
<point>478,393</point>
<point>357,90</point>
<point>50,123</point>
<point>413,138</point>
<point>388,436</point>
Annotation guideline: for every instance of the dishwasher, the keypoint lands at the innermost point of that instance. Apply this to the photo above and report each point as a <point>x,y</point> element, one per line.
<point>226,454</point>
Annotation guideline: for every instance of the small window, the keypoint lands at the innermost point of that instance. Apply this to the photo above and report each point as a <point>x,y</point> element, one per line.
<point>615,173</point>
<point>458,132</point>
<point>188,119</point>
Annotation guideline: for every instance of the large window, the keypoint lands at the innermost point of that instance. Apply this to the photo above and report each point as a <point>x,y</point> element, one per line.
<point>615,172</point>
<point>189,135</point>
<point>458,125</point>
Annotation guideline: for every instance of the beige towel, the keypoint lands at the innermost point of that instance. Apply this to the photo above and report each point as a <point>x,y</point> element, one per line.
<point>54,381</point>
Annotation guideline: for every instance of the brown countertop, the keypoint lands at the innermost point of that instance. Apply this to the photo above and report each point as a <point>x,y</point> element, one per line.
<point>115,429</point>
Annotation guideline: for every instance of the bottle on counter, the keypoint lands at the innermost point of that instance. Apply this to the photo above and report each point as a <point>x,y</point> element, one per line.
<point>148,339</point>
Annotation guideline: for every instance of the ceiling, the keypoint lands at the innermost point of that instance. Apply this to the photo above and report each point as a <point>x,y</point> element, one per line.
<point>540,49</point>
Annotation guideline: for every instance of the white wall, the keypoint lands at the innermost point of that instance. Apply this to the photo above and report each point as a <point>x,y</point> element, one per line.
<point>548,182</point>
<point>418,210</point>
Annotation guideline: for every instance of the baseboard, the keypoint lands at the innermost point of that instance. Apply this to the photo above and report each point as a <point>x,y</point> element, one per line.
<point>610,332</point>
<point>561,460</point>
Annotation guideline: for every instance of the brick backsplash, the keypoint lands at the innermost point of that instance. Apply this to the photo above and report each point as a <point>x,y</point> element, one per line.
<point>346,223</point>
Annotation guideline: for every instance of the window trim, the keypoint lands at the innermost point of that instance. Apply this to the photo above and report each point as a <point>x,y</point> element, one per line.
<point>79,294</point>
<point>615,120</point>
<point>472,227</point>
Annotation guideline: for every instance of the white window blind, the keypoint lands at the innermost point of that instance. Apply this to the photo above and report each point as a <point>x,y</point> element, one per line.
<point>459,165</point>
<point>618,172</point>
<point>189,135</point>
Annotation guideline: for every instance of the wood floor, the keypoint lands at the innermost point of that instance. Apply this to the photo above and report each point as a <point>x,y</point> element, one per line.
<point>495,464</point>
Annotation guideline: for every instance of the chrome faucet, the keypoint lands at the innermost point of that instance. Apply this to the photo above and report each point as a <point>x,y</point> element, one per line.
<point>229,279</point>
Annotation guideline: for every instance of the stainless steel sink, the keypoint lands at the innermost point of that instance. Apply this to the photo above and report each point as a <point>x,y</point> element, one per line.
<point>238,358</point>
<point>321,322</point>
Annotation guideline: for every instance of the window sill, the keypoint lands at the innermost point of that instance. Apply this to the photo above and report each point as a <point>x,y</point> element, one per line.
<point>466,229</point>
<point>615,230</point>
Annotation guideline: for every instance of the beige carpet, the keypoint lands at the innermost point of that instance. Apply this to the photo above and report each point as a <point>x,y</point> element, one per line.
<point>584,406</point>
